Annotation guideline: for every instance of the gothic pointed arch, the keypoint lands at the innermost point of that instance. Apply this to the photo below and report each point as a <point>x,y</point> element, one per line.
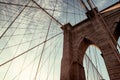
<point>92,61</point>
<point>117,35</point>
<point>84,46</point>
<point>117,30</point>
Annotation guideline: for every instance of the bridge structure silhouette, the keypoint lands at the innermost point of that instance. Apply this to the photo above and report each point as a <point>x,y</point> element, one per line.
<point>59,40</point>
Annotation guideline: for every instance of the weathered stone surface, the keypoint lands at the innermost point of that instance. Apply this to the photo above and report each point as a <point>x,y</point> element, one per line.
<point>97,30</point>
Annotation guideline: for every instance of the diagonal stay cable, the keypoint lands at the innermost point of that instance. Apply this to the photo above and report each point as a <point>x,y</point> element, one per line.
<point>54,59</point>
<point>41,37</point>
<point>40,58</point>
<point>94,66</point>
<point>35,57</point>
<point>14,20</point>
<point>38,8</point>
<point>50,47</point>
<point>47,13</point>
<point>29,49</point>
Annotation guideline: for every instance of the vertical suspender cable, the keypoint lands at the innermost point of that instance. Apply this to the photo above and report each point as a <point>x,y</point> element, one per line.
<point>14,20</point>
<point>45,38</point>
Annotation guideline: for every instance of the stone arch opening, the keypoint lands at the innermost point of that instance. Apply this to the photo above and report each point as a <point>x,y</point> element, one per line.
<point>117,35</point>
<point>117,31</point>
<point>82,48</point>
<point>118,46</point>
<point>87,48</point>
<point>94,64</point>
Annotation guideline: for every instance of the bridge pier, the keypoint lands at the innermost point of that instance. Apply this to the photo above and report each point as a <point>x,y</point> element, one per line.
<point>71,68</point>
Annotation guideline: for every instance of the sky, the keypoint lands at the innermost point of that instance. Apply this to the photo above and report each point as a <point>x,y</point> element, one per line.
<point>33,27</point>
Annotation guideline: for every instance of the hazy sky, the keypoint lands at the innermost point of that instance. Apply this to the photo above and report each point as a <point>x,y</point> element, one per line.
<point>31,29</point>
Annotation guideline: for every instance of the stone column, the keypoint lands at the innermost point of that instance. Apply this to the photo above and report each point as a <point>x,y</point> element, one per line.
<point>71,69</point>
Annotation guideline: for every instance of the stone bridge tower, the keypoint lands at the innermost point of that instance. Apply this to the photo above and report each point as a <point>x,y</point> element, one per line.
<point>101,29</point>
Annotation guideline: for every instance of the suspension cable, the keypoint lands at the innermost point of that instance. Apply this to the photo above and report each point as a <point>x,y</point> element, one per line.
<point>38,7</point>
<point>47,13</point>
<point>14,20</point>
<point>93,65</point>
<point>14,53</point>
<point>29,50</point>
<point>35,57</point>
<point>45,40</point>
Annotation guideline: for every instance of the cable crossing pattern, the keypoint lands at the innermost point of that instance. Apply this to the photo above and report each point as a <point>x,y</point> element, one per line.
<point>31,39</point>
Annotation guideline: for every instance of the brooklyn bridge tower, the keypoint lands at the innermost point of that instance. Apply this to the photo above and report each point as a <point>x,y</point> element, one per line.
<point>101,29</point>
